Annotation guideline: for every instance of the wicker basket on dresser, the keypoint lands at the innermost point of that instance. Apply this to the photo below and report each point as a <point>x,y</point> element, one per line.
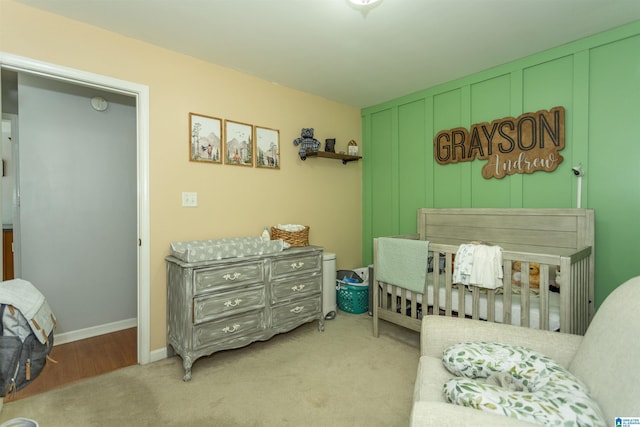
<point>229,303</point>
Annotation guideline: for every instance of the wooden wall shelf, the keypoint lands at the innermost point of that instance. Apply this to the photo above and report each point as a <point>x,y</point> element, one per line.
<point>344,157</point>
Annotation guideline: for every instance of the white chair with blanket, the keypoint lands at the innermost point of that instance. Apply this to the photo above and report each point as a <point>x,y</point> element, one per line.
<point>604,366</point>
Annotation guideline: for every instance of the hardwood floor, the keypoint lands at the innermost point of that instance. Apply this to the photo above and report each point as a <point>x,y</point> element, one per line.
<point>83,359</point>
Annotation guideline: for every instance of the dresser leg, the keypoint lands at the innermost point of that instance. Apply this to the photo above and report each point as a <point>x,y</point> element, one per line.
<point>321,325</point>
<point>187,362</point>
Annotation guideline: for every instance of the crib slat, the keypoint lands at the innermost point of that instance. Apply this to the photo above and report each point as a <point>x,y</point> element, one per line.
<point>543,311</point>
<point>403,300</point>
<point>414,305</point>
<point>524,295</point>
<point>506,297</point>
<point>579,295</point>
<point>567,293</point>
<point>391,302</point>
<point>491,305</point>
<point>461,305</point>
<point>384,296</point>
<point>584,296</point>
<point>475,303</point>
<point>448,278</point>
<point>436,283</point>
<point>582,306</point>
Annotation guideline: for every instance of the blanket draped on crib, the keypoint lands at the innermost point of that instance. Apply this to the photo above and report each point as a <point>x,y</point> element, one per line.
<point>479,265</point>
<point>402,262</point>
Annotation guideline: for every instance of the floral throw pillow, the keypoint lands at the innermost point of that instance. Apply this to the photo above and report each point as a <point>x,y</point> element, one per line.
<point>518,382</point>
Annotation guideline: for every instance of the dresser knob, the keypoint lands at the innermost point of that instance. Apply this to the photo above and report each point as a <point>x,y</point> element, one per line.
<point>297,265</point>
<point>233,276</point>
<point>297,309</point>
<point>233,303</point>
<point>297,288</point>
<point>230,329</point>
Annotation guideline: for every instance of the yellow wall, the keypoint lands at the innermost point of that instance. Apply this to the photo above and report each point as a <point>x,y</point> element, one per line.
<point>233,200</point>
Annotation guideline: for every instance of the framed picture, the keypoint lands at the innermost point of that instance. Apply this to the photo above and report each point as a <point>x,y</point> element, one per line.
<point>267,148</point>
<point>205,138</point>
<point>238,145</point>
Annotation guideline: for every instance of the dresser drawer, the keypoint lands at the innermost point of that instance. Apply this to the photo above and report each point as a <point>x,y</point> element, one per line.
<point>214,305</point>
<point>298,264</point>
<point>227,276</point>
<point>296,312</point>
<point>228,329</point>
<point>296,287</point>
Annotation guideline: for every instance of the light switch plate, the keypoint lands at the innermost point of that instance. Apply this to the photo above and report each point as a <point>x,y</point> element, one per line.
<point>189,199</point>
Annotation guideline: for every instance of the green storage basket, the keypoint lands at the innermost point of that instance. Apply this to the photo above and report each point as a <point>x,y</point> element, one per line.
<point>352,297</point>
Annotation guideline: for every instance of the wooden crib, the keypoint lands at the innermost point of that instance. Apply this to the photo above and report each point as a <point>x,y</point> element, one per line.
<point>561,241</point>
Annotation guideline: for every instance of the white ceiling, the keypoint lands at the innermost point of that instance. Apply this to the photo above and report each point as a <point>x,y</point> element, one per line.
<point>360,58</point>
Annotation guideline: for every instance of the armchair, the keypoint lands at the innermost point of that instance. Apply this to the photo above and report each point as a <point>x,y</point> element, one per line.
<point>606,359</point>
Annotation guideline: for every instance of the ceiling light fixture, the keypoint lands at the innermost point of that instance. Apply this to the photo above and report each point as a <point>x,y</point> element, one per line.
<point>362,6</point>
<point>363,2</point>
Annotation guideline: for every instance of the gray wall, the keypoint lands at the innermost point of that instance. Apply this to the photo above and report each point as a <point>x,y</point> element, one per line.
<point>78,210</point>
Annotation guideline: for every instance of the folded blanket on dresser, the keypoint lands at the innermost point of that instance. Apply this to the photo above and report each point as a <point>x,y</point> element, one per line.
<point>402,262</point>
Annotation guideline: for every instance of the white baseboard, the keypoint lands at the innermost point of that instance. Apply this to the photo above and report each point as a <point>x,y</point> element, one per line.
<point>94,331</point>
<point>158,354</point>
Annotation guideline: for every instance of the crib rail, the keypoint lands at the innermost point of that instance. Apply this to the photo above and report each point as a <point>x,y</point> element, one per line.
<point>406,308</point>
<point>573,287</point>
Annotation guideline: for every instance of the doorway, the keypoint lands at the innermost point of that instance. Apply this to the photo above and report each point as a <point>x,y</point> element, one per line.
<point>140,94</point>
<point>75,203</point>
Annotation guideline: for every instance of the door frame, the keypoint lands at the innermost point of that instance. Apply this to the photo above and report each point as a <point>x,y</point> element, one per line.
<point>141,93</point>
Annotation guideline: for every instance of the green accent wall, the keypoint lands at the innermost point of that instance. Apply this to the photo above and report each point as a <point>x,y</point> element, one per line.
<point>596,80</point>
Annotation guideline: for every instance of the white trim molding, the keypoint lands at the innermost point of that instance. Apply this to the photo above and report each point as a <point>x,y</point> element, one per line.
<point>94,331</point>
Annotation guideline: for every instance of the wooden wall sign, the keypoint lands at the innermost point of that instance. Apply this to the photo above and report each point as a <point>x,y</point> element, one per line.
<point>531,142</point>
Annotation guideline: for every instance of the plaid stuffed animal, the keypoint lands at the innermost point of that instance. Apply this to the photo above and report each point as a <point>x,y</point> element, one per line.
<point>306,142</point>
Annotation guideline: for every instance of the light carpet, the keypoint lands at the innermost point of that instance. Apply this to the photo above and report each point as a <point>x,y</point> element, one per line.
<point>341,377</point>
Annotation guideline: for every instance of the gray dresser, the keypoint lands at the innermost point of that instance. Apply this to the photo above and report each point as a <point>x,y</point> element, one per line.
<point>229,303</point>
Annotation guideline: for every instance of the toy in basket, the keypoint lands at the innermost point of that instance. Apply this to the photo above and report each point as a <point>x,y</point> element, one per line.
<point>295,235</point>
